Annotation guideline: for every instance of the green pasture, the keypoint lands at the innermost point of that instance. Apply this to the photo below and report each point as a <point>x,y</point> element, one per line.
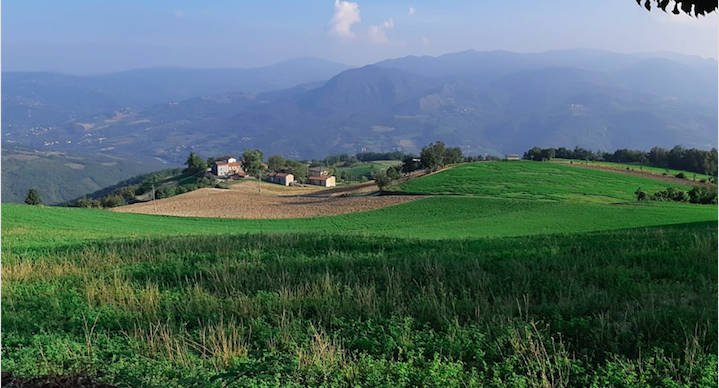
<point>635,167</point>
<point>534,180</point>
<point>518,274</point>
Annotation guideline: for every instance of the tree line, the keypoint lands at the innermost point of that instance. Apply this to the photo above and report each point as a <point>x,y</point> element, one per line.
<point>677,158</point>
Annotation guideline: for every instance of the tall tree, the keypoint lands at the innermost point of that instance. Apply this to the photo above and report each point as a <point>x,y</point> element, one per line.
<point>381,179</point>
<point>432,156</point>
<point>33,198</point>
<point>276,163</point>
<point>195,164</point>
<point>253,165</point>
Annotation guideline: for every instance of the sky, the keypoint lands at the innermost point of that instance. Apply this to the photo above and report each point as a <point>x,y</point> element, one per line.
<point>90,37</point>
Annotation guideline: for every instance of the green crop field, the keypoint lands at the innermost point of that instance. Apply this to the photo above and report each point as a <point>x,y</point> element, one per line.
<point>534,180</point>
<point>634,167</point>
<point>528,274</point>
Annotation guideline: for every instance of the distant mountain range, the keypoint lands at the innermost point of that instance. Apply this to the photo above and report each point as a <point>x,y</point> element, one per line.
<point>485,102</point>
<point>51,99</point>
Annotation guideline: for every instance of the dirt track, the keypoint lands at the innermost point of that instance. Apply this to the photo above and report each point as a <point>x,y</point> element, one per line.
<point>243,201</point>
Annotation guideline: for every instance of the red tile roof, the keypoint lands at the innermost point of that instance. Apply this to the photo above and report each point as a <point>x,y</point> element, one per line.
<point>234,164</point>
<point>320,178</point>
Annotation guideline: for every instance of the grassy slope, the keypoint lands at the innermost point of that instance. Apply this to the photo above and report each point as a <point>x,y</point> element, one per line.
<point>533,180</point>
<point>509,199</point>
<point>438,217</point>
<point>327,305</point>
<point>635,167</point>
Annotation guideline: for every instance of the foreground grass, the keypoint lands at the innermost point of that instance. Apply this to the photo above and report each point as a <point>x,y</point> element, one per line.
<point>609,307</point>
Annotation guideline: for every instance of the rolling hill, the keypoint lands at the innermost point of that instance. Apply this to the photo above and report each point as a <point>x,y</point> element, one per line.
<point>491,286</point>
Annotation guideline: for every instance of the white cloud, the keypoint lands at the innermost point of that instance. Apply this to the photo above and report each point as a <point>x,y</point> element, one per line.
<point>378,34</point>
<point>346,14</point>
<point>411,11</point>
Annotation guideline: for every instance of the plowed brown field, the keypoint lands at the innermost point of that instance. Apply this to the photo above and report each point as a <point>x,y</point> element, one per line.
<point>243,201</point>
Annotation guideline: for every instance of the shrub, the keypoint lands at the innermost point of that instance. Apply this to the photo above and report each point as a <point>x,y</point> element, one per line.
<point>703,195</point>
<point>113,201</point>
<point>33,198</point>
<point>641,195</point>
<point>381,179</point>
<point>393,173</point>
<point>88,203</point>
<point>680,175</point>
<point>165,192</point>
<point>670,194</point>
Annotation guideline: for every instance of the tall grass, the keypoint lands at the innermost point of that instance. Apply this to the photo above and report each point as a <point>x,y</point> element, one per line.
<point>599,308</point>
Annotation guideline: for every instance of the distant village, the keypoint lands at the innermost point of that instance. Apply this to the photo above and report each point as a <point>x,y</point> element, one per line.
<point>228,167</point>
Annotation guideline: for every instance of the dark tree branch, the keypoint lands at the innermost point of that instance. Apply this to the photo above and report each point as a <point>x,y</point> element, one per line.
<point>699,7</point>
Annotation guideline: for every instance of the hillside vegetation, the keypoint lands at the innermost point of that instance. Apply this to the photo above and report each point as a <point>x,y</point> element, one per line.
<point>528,274</point>
<point>60,176</point>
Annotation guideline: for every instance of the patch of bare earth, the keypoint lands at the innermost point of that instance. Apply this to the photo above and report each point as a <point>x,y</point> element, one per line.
<point>244,201</point>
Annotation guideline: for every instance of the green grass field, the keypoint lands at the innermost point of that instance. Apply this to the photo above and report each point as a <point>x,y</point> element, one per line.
<point>534,180</point>
<point>529,274</point>
<point>365,169</point>
<point>635,167</point>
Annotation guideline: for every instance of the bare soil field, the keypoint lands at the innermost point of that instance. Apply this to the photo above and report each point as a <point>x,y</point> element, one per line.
<point>243,201</point>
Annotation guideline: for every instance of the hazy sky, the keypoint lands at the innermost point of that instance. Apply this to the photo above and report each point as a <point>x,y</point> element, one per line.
<point>103,36</point>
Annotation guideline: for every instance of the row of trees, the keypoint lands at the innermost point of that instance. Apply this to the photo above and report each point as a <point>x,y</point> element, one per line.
<point>299,169</point>
<point>347,160</point>
<point>433,157</point>
<point>678,158</point>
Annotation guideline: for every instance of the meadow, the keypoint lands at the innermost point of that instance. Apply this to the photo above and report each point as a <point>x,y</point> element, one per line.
<point>635,167</point>
<point>533,180</point>
<point>550,276</point>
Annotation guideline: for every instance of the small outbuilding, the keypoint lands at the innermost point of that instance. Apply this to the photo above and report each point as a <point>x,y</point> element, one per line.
<point>512,157</point>
<point>323,180</point>
<point>318,171</point>
<point>281,178</point>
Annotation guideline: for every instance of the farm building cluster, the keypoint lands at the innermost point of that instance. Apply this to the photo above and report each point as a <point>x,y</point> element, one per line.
<point>230,168</point>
